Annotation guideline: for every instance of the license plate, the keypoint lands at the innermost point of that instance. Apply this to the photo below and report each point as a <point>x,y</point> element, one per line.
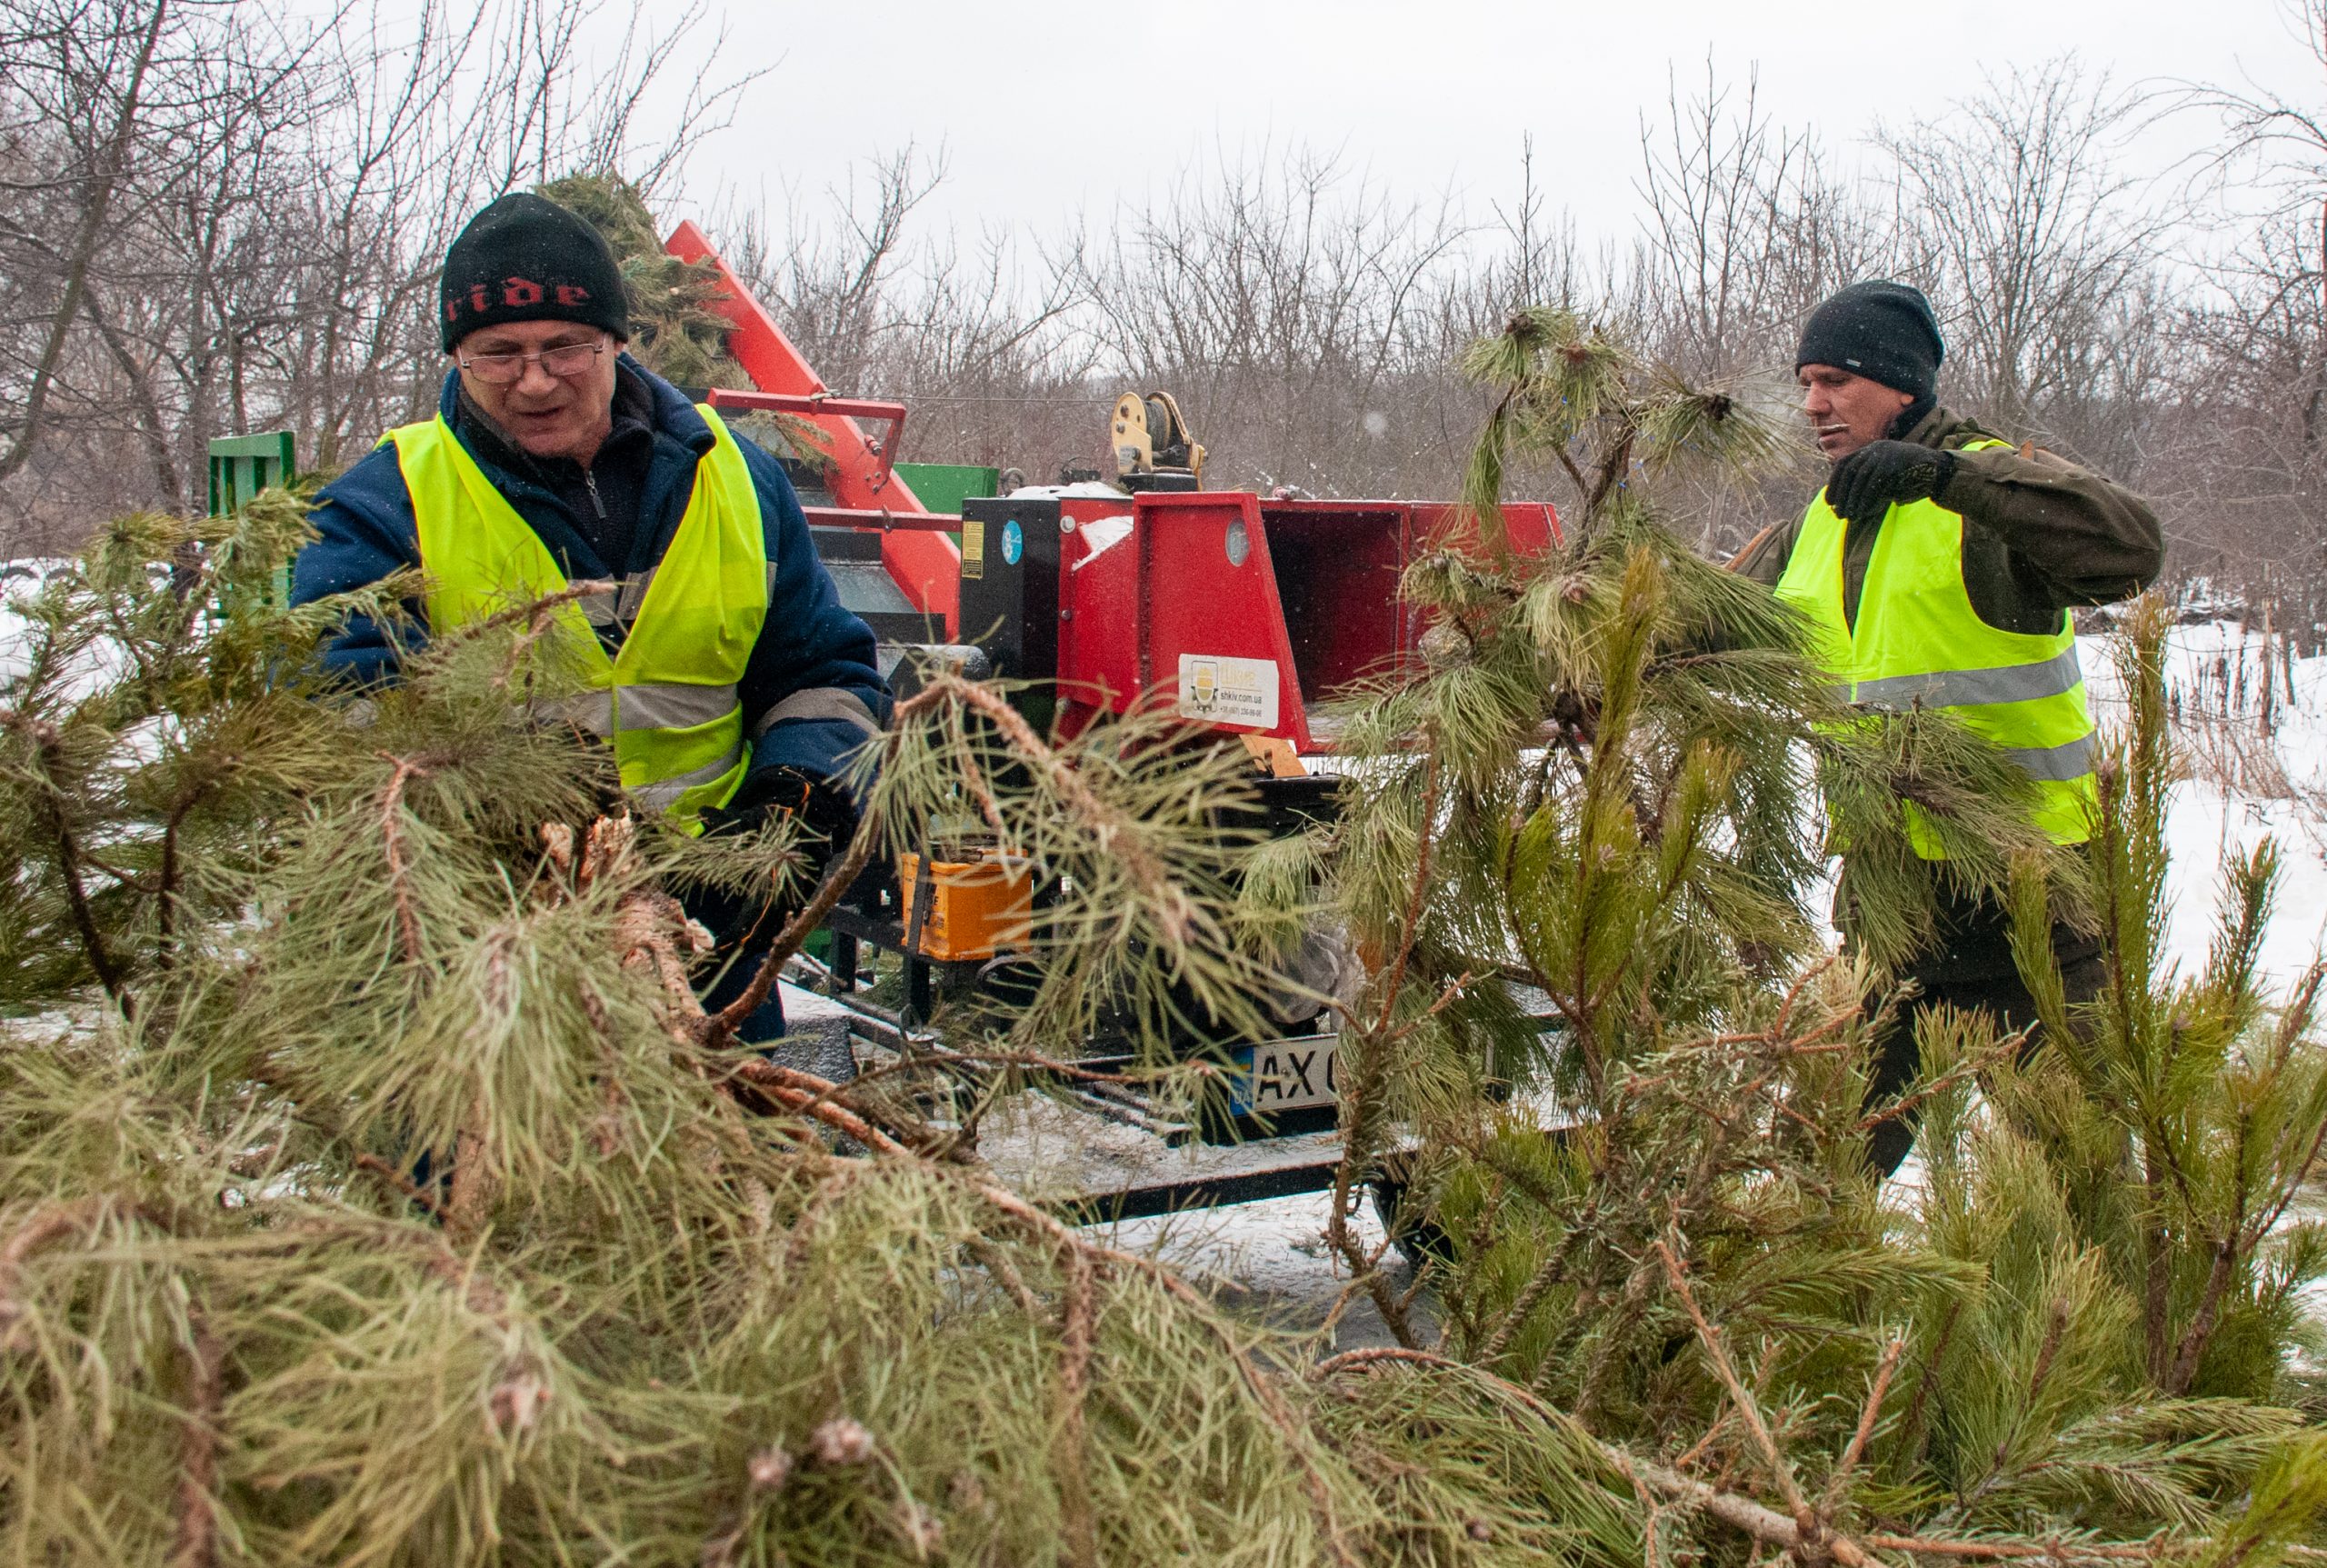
<point>1285,1075</point>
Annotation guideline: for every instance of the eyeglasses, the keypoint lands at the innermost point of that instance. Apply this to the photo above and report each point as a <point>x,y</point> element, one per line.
<point>564,362</point>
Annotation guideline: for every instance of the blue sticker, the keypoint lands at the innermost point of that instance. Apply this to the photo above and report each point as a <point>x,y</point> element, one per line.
<point>1014,541</point>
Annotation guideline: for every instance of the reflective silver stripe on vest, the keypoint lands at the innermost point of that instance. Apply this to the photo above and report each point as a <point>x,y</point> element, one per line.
<point>820,702</point>
<point>2055,764</point>
<point>662,793</point>
<point>592,710</point>
<point>634,593</point>
<point>1970,688</point>
<point>673,706</point>
<point>598,609</point>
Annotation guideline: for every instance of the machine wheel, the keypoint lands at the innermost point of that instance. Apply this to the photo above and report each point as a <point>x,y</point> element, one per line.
<point>1418,1238</point>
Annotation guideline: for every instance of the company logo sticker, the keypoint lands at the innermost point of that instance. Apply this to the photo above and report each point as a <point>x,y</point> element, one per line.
<point>1220,690</point>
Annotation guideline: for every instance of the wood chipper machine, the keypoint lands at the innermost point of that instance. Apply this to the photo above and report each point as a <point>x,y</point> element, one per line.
<point>1241,612</point>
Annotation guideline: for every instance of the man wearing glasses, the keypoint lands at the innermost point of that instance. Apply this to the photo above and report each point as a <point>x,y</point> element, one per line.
<point>723,670</point>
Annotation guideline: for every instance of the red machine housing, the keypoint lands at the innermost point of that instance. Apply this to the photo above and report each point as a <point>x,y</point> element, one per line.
<point>1241,612</point>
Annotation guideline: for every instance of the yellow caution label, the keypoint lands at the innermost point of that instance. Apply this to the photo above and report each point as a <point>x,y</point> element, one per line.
<point>973,547</point>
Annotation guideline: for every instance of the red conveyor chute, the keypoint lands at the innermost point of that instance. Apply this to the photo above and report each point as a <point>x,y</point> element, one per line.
<point>924,561</point>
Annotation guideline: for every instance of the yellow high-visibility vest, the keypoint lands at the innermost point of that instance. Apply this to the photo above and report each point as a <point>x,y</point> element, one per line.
<point>667,700</point>
<point>1918,642</point>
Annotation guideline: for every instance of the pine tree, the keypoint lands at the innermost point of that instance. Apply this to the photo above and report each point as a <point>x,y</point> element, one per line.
<point>373,1190</point>
<point>2181,1117</point>
<point>675,328</point>
<point>1602,793</point>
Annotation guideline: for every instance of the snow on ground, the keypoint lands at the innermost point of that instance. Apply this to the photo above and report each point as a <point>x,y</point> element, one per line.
<point>18,579</point>
<point>21,580</point>
<point>1270,1257</point>
<point>2244,784</point>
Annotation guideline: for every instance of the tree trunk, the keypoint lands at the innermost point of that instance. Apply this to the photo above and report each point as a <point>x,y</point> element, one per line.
<point>93,213</point>
<point>168,480</point>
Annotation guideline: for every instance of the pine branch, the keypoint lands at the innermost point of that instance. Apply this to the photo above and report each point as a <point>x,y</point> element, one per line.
<point>165,897</point>
<point>1121,838</point>
<point>1553,1270</point>
<point>1360,1114</point>
<point>1752,1519</point>
<point>1078,1328</point>
<point>808,1094</point>
<point>48,1224</point>
<point>1839,1483</point>
<point>48,746</point>
<point>196,1542</point>
<point>536,615</point>
<point>1748,1409</point>
<point>1114,834</point>
<point>404,770</point>
<point>2006,1049</point>
<point>402,1184</point>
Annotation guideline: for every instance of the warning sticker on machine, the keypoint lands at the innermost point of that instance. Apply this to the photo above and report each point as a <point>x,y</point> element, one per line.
<point>1224,691</point>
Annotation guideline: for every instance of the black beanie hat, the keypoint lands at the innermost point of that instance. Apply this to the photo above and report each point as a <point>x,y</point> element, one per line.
<point>1883,330</point>
<point>525,258</point>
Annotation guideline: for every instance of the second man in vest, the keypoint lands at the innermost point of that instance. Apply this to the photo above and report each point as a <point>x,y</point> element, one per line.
<point>1941,563</point>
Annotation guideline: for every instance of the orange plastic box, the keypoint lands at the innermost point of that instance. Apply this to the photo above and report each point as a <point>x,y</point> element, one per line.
<point>976,907</point>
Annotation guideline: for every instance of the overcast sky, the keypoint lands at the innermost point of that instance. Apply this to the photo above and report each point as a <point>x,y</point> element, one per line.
<point>1048,109</point>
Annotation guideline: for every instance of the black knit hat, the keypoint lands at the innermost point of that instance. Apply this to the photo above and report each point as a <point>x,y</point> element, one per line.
<point>525,258</point>
<point>1883,330</point>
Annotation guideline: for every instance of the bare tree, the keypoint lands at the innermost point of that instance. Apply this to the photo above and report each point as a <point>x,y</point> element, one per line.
<point>1293,304</point>
<point>88,83</point>
<point>2242,448</point>
<point>213,219</point>
<point>979,341</point>
<point>2016,216</point>
<point>1744,232</point>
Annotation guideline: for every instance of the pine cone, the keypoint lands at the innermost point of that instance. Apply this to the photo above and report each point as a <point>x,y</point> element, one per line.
<point>1446,647</point>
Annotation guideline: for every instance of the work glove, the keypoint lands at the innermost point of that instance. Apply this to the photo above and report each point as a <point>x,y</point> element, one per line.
<point>825,816</point>
<point>1870,481</point>
<point>826,822</point>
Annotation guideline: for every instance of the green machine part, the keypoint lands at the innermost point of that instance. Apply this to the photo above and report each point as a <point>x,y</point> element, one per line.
<point>243,466</point>
<point>943,486</point>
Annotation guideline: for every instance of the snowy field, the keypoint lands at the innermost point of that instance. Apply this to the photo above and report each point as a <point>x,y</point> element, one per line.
<point>2257,769</point>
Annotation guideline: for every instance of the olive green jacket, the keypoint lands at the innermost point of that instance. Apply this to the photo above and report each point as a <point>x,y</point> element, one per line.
<point>2044,536</point>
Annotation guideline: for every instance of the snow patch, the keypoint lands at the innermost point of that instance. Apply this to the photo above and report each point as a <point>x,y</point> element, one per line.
<point>1102,534</point>
<point>2243,785</point>
<point>1088,489</point>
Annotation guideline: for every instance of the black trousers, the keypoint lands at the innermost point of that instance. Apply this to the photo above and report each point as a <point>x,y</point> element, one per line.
<point>1897,1059</point>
